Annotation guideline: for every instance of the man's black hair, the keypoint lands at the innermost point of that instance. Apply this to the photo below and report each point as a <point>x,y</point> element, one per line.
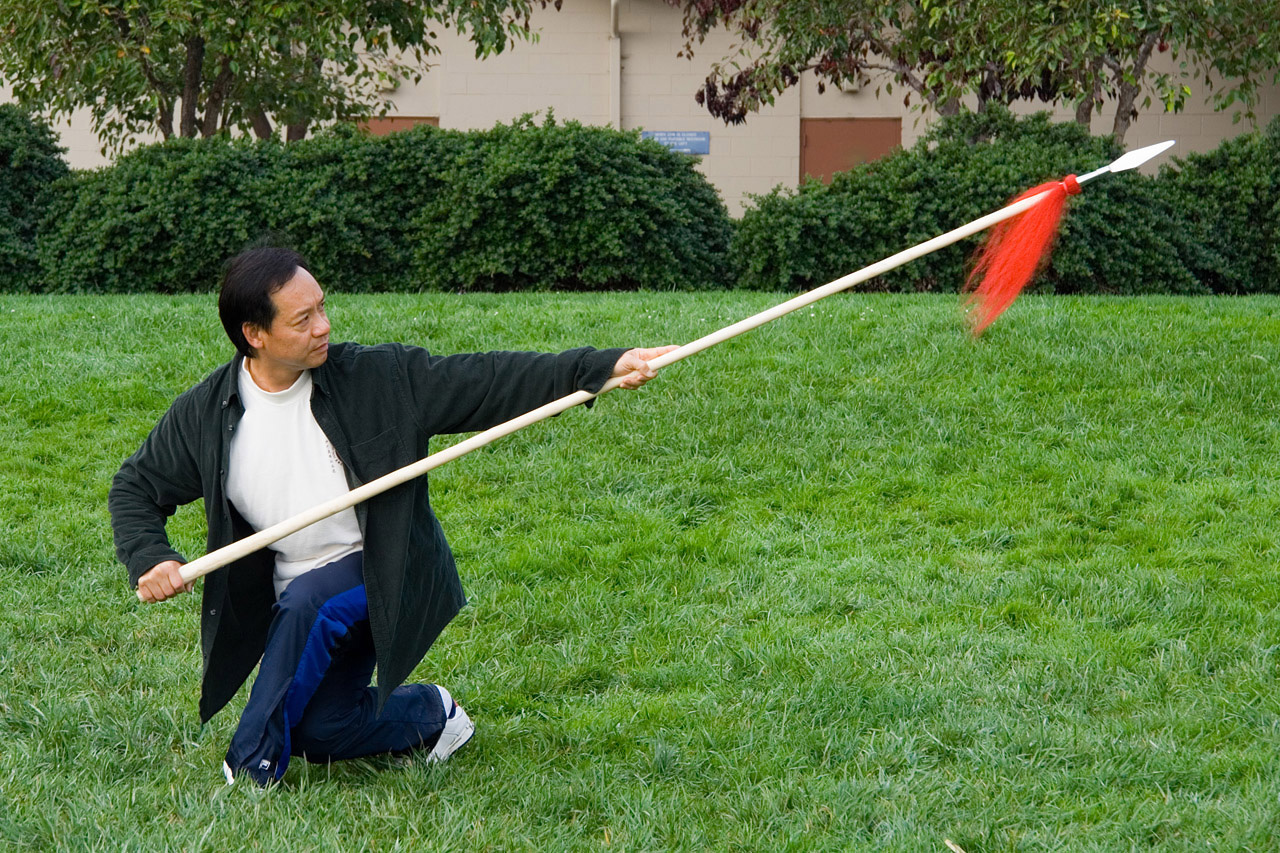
<point>248,280</point>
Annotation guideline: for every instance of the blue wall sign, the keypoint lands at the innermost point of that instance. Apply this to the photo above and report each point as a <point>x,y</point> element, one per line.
<point>683,141</point>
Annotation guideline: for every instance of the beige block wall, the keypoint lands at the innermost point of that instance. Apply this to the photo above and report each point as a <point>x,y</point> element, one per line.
<point>570,70</point>
<point>1197,127</point>
<point>658,90</point>
<point>84,151</point>
<point>566,70</point>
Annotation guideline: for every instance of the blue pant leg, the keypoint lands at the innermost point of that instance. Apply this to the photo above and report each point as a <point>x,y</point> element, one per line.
<point>341,720</point>
<point>312,617</point>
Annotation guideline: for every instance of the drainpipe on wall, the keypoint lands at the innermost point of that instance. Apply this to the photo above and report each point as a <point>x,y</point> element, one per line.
<point>615,67</point>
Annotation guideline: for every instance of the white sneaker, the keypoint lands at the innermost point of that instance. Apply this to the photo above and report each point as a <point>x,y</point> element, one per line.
<point>226,771</point>
<point>458,729</point>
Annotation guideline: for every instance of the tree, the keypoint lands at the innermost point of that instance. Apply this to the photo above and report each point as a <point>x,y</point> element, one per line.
<point>200,67</point>
<point>1104,49</point>
<point>1074,52</point>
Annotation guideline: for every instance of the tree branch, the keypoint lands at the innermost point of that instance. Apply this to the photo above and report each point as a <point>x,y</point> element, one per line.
<point>905,75</point>
<point>1129,90</point>
<point>164,90</point>
<point>164,118</point>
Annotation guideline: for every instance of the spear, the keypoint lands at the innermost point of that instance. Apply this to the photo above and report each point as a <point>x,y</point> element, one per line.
<point>1006,265</point>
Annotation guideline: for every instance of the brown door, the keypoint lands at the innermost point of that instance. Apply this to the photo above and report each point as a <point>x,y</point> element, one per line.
<point>830,145</point>
<point>390,124</point>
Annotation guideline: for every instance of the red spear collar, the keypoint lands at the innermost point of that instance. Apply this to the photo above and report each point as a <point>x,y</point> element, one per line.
<point>1015,251</point>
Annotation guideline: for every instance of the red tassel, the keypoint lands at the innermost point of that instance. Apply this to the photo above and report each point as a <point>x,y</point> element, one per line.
<point>1015,251</point>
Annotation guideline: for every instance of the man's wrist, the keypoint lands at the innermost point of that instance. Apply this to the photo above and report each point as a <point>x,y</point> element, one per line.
<point>597,368</point>
<point>146,560</point>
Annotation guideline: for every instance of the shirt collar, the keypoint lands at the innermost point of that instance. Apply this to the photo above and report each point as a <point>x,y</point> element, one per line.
<point>230,390</point>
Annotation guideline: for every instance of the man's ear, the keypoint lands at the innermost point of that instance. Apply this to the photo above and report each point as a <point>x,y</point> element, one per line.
<point>252,334</point>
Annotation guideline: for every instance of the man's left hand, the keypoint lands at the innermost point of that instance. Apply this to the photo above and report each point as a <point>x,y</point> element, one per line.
<point>634,366</point>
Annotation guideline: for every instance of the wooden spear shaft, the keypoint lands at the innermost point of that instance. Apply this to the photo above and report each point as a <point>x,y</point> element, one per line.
<point>243,547</point>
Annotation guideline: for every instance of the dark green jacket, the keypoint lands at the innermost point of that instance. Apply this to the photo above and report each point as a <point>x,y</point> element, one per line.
<point>378,406</point>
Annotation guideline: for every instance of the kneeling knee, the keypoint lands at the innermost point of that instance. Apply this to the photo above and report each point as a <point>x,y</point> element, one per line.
<point>320,733</point>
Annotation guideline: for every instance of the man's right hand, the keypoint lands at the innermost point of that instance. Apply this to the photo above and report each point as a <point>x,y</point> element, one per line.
<point>163,581</point>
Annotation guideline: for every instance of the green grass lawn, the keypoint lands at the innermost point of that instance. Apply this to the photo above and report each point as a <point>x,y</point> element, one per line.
<point>852,581</point>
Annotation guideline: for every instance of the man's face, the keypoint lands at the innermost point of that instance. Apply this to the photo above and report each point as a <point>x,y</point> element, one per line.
<point>298,338</point>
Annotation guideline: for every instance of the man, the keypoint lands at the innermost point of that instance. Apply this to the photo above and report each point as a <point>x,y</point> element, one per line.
<point>287,424</point>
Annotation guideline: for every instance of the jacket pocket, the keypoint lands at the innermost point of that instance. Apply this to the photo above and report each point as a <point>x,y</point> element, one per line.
<point>380,455</point>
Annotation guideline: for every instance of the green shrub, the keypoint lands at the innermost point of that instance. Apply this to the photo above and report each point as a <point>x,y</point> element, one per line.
<point>1117,237</point>
<point>566,206</point>
<point>348,201</point>
<point>1272,152</point>
<point>163,218</point>
<point>519,206</point>
<point>30,164</point>
<point>1230,198</point>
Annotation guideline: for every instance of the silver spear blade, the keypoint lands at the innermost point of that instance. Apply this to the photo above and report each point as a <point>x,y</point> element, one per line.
<point>1131,160</point>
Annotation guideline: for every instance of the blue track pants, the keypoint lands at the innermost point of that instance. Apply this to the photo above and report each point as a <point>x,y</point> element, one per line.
<point>312,696</point>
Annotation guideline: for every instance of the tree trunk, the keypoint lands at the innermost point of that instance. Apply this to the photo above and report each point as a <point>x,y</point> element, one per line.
<point>1084,113</point>
<point>261,124</point>
<point>1125,112</point>
<point>217,96</point>
<point>191,75</point>
<point>298,129</point>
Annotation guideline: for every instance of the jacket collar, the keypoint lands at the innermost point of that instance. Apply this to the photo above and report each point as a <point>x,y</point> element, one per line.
<point>229,386</point>
<point>320,376</point>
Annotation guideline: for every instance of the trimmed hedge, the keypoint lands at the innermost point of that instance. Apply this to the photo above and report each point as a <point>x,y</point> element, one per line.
<point>563,206</point>
<point>30,163</point>
<point>353,200</point>
<point>1230,201</point>
<point>163,218</point>
<point>1128,233</point>
<point>530,207</point>
<point>520,206</point>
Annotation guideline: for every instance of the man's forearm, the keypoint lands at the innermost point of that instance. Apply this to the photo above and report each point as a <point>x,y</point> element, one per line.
<point>138,527</point>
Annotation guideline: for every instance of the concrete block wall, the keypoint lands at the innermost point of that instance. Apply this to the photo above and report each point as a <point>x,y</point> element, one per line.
<point>566,70</point>
<point>84,150</point>
<point>658,89</point>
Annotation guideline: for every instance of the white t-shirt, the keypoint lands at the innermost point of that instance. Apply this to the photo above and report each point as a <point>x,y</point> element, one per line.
<point>281,465</point>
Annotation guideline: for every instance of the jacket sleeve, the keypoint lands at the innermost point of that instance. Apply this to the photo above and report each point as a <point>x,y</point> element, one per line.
<point>464,393</point>
<point>148,488</point>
